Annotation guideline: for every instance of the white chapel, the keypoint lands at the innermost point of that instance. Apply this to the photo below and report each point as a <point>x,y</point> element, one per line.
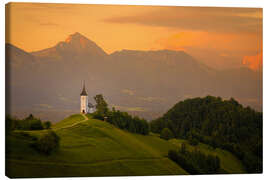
<point>85,106</point>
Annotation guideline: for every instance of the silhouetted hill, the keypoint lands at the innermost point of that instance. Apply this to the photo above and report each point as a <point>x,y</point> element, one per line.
<point>220,123</point>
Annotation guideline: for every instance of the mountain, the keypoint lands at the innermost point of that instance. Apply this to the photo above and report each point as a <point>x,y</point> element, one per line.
<point>75,45</point>
<point>144,83</point>
<point>18,56</point>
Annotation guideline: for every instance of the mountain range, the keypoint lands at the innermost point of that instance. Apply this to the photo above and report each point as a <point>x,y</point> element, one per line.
<point>144,83</point>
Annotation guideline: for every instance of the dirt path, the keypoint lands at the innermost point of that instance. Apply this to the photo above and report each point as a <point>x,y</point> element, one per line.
<point>74,124</point>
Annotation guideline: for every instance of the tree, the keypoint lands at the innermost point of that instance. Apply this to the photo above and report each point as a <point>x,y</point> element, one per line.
<point>166,134</point>
<point>30,117</point>
<point>102,106</point>
<point>47,125</point>
<point>47,143</point>
<point>9,124</point>
<point>183,148</point>
<point>193,141</point>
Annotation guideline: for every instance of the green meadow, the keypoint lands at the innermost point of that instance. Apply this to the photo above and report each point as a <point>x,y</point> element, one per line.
<point>90,147</point>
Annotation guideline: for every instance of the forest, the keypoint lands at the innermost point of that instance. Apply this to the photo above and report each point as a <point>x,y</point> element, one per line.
<point>224,124</point>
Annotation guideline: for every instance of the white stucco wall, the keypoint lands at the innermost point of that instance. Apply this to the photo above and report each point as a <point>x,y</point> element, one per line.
<point>84,104</point>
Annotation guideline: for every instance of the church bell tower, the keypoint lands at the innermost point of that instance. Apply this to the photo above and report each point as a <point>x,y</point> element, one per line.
<point>84,100</point>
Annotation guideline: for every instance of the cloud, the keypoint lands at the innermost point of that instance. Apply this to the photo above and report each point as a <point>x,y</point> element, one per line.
<point>224,55</point>
<point>253,62</point>
<point>46,7</point>
<point>133,109</point>
<point>66,99</point>
<point>46,106</point>
<point>152,99</point>
<point>224,43</point>
<point>49,24</point>
<point>198,18</point>
<point>128,91</point>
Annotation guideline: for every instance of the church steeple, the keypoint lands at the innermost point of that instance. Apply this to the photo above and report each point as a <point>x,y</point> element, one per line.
<point>83,91</point>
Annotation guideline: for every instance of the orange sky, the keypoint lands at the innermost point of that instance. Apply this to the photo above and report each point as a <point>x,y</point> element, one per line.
<point>219,37</point>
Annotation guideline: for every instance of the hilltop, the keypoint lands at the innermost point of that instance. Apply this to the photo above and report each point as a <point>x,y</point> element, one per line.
<point>91,147</point>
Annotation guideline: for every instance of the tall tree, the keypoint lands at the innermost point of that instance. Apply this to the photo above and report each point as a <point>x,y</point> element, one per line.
<point>101,105</point>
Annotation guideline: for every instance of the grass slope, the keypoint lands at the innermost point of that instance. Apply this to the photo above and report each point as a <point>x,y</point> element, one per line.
<point>90,147</point>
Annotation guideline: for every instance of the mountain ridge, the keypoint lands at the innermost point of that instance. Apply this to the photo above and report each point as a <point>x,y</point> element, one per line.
<point>129,79</point>
<point>73,45</point>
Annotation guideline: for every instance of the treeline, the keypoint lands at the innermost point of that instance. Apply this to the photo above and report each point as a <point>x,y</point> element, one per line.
<point>47,143</point>
<point>120,119</point>
<point>195,162</point>
<point>220,123</point>
<point>28,123</point>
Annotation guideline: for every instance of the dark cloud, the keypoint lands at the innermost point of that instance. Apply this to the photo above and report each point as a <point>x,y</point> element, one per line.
<point>199,18</point>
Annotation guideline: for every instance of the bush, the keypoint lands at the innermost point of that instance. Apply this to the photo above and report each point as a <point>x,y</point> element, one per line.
<point>35,124</point>
<point>193,141</point>
<point>47,125</point>
<point>166,134</point>
<point>9,124</point>
<point>47,143</point>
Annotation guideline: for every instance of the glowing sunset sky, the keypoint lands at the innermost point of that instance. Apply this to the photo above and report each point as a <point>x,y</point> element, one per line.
<point>219,37</point>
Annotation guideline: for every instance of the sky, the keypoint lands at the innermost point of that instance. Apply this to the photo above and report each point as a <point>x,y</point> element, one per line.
<point>219,37</point>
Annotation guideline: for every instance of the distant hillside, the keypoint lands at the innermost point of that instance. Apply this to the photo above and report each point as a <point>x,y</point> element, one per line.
<point>92,147</point>
<point>145,83</point>
<point>220,123</point>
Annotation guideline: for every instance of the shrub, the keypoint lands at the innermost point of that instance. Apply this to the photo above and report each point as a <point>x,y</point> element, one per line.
<point>166,134</point>
<point>9,124</point>
<point>47,143</point>
<point>47,125</point>
<point>35,124</point>
<point>193,141</point>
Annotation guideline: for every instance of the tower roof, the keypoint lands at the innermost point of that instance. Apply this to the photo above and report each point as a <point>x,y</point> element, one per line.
<point>84,93</point>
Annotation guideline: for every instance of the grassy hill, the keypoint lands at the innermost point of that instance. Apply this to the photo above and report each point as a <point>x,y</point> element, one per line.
<point>91,147</point>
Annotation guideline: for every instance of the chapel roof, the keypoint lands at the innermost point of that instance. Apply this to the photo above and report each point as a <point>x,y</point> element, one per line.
<point>84,93</point>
